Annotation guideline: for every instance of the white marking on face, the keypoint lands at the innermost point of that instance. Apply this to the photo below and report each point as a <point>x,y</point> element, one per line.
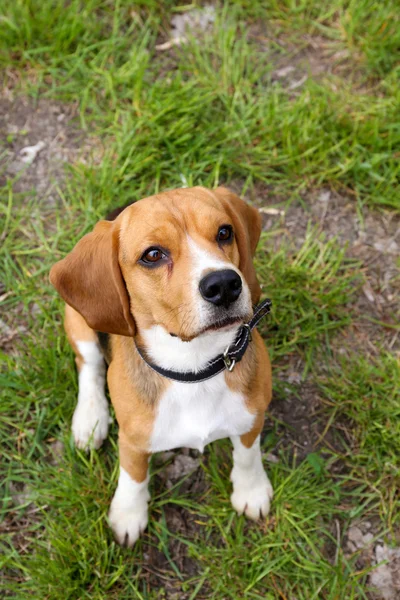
<point>128,514</point>
<point>204,261</point>
<point>91,417</point>
<point>193,415</point>
<point>172,352</point>
<point>252,490</point>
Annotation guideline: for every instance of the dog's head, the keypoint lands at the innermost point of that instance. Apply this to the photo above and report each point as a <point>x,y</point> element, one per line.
<point>181,259</point>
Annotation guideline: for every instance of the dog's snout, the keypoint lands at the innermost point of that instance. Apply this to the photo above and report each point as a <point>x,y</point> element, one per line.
<point>221,287</point>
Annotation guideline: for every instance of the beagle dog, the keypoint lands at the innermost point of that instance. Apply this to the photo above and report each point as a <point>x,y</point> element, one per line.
<point>164,293</point>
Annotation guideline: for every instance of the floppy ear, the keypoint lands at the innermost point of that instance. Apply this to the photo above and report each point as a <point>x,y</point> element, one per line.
<point>89,279</point>
<point>247,224</point>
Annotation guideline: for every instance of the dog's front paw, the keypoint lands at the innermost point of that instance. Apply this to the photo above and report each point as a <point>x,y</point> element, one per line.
<point>251,499</point>
<point>128,514</point>
<point>90,422</point>
<point>128,525</point>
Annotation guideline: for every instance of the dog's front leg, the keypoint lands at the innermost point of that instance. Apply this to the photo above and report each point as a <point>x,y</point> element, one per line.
<point>252,490</point>
<point>128,514</point>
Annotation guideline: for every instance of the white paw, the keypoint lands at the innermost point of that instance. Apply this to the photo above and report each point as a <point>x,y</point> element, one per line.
<point>128,524</point>
<point>90,421</point>
<point>252,499</point>
<point>128,510</point>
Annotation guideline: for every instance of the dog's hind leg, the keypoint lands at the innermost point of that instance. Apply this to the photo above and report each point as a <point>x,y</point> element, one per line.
<point>91,417</point>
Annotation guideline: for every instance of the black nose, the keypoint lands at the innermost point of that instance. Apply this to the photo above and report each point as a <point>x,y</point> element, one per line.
<point>221,287</point>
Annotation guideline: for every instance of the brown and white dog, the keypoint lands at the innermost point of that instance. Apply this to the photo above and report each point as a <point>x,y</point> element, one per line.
<point>172,274</point>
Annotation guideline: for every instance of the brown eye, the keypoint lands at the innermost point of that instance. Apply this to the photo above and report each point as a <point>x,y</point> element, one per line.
<point>152,256</point>
<point>225,234</point>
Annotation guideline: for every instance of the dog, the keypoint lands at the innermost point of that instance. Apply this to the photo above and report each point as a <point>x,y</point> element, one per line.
<point>164,292</point>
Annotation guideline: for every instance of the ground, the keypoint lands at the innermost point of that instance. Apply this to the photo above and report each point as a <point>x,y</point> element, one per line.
<point>293,105</point>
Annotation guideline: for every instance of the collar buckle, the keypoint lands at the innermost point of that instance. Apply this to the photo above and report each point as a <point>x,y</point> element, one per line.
<point>228,361</point>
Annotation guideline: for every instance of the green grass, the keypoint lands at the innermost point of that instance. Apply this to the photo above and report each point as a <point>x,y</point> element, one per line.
<point>364,393</point>
<point>311,289</point>
<point>229,120</point>
<point>206,113</point>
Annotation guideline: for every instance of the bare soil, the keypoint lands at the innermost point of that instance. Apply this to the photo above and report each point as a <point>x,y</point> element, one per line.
<point>25,124</point>
<point>371,237</point>
<point>37,141</point>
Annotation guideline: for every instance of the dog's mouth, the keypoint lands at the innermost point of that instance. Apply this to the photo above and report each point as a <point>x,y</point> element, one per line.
<point>222,324</point>
<point>218,325</point>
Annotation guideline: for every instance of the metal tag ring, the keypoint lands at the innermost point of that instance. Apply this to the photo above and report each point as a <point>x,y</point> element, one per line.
<point>229,362</point>
<point>247,326</point>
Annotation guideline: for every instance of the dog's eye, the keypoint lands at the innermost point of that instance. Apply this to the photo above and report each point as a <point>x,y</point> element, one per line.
<point>152,256</point>
<point>225,234</point>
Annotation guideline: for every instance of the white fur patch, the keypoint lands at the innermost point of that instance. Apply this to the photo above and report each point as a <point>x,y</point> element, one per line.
<point>252,490</point>
<point>204,261</point>
<point>128,514</point>
<point>91,417</point>
<point>192,415</point>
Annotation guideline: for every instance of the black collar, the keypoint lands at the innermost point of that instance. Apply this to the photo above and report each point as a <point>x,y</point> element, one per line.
<point>232,355</point>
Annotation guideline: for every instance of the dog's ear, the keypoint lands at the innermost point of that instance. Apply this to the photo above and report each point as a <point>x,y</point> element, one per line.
<point>247,224</point>
<point>89,279</point>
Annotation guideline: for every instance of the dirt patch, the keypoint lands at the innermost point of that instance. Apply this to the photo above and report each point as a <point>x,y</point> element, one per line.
<point>365,542</point>
<point>315,56</point>
<point>36,141</point>
<point>385,578</point>
<point>195,22</point>
<point>160,565</point>
<point>371,237</point>
<point>296,59</point>
<point>295,417</point>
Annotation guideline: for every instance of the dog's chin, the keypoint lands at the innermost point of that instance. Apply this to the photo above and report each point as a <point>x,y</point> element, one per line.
<point>218,325</point>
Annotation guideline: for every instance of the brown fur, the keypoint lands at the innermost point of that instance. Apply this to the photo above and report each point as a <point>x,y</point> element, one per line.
<point>89,279</point>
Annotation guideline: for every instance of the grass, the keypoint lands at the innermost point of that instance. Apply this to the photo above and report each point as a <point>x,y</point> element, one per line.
<point>229,119</point>
<point>311,289</point>
<point>208,112</point>
<point>363,392</point>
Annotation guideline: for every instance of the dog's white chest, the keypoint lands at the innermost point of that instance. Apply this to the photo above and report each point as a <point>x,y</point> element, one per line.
<point>192,415</point>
